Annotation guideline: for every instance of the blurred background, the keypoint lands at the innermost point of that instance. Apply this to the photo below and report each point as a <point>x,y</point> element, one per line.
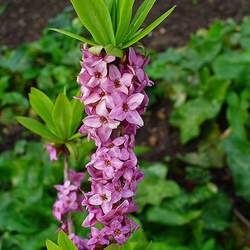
<point>194,147</point>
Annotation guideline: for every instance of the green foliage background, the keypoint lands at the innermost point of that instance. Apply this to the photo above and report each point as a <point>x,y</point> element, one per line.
<point>195,201</point>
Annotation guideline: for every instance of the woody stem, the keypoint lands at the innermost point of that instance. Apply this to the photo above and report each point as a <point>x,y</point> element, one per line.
<point>66,178</point>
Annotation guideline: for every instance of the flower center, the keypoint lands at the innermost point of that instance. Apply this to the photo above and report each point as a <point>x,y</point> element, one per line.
<point>111,145</point>
<point>117,232</point>
<point>104,197</point>
<point>125,107</point>
<point>98,75</point>
<point>117,84</point>
<point>118,189</point>
<point>102,94</point>
<point>103,120</point>
<point>107,163</point>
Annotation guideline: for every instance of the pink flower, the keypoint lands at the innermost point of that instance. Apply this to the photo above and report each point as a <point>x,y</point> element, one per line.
<point>97,74</point>
<point>114,98</point>
<point>102,198</point>
<point>118,231</point>
<point>97,238</point>
<point>127,110</point>
<point>117,81</point>
<point>52,152</point>
<point>76,178</point>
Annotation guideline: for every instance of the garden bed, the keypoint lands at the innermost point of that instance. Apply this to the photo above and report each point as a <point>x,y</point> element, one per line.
<point>23,21</point>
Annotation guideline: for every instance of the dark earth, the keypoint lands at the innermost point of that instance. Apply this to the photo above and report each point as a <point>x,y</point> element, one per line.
<point>23,20</point>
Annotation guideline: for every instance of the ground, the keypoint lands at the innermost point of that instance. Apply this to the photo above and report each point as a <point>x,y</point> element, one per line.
<point>24,20</point>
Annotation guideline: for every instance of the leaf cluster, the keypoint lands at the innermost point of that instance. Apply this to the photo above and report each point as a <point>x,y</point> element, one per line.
<point>209,85</point>
<point>61,119</point>
<point>111,22</point>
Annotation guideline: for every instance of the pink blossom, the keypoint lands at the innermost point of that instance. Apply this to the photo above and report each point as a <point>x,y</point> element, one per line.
<point>112,91</point>
<point>53,154</point>
<point>127,110</point>
<point>98,237</point>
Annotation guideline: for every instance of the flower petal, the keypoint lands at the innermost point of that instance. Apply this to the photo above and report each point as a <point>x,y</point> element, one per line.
<point>92,121</point>
<point>135,100</point>
<point>134,118</point>
<point>95,200</point>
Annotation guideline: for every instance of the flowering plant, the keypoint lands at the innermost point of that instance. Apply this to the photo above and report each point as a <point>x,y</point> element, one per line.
<point>112,89</point>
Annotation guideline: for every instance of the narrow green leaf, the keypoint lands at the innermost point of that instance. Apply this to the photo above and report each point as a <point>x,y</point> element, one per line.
<point>73,150</point>
<point>75,36</point>
<point>62,115</point>
<point>125,10</point>
<point>36,127</point>
<point>77,115</point>
<point>141,15</point>
<point>114,15</point>
<point>64,242</point>
<point>75,136</point>
<point>147,30</point>
<point>111,50</point>
<point>109,4</point>
<point>43,106</point>
<point>95,16</point>
<point>52,246</point>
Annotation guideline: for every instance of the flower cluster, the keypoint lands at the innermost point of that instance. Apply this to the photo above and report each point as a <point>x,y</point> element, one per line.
<point>112,91</point>
<point>69,200</point>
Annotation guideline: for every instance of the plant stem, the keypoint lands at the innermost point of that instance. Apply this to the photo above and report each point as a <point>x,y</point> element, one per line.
<point>66,178</point>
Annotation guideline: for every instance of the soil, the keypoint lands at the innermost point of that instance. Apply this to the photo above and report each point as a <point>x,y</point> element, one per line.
<point>23,21</point>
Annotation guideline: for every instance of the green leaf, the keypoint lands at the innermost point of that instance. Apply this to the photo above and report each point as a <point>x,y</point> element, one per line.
<point>62,116</point>
<point>237,112</point>
<point>111,50</point>
<point>238,159</point>
<point>154,188</point>
<point>217,212</point>
<point>52,246</point>
<point>140,16</point>
<point>109,4</point>
<point>77,115</point>
<point>113,247</point>
<point>43,106</point>
<point>37,128</point>
<point>64,242</point>
<point>152,191</point>
<point>170,217</point>
<point>75,36</point>
<point>124,9</point>
<point>190,115</point>
<point>95,16</point>
<point>147,30</point>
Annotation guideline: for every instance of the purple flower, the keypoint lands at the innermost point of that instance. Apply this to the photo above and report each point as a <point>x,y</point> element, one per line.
<point>118,231</point>
<point>107,164</point>
<point>97,238</point>
<point>118,81</point>
<point>97,74</point>
<point>127,110</point>
<point>119,191</point>
<point>52,152</point>
<point>76,178</point>
<point>79,242</point>
<point>102,198</point>
<point>114,98</point>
